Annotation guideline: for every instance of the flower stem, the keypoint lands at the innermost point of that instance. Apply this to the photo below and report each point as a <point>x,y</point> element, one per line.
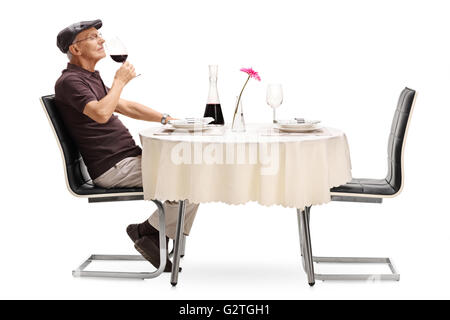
<point>239,99</point>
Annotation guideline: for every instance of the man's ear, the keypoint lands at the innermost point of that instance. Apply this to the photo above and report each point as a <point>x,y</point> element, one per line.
<point>74,50</point>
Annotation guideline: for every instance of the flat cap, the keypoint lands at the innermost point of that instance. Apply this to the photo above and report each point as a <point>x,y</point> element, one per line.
<point>67,35</point>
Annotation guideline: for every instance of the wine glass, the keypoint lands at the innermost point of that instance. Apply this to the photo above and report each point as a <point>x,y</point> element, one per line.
<point>274,98</point>
<point>117,50</point>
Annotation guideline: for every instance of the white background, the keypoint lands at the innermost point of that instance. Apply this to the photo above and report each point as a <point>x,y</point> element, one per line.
<point>343,62</point>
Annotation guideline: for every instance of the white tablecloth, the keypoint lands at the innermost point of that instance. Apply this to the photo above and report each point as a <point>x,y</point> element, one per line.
<point>294,171</point>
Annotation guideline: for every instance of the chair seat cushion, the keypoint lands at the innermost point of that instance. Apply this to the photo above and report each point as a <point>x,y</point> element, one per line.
<point>366,186</point>
<point>90,189</point>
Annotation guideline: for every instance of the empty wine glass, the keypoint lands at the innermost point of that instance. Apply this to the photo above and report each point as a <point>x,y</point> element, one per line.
<point>274,98</point>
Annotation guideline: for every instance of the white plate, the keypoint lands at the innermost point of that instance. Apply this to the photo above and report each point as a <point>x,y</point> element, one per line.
<point>292,124</point>
<point>190,126</point>
<point>191,121</point>
<point>300,129</point>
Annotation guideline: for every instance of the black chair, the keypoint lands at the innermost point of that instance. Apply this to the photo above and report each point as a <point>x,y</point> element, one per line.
<point>365,190</point>
<point>80,185</point>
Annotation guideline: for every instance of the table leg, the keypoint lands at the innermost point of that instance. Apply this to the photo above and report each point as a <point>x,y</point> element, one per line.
<point>177,243</point>
<point>183,245</point>
<point>300,234</point>
<point>305,243</point>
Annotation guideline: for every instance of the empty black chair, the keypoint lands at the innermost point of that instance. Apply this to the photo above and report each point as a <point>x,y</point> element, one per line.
<point>365,190</point>
<point>393,183</point>
<point>80,184</point>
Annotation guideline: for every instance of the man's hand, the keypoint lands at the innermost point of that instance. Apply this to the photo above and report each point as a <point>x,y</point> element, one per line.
<point>170,118</point>
<point>101,111</point>
<point>125,73</point>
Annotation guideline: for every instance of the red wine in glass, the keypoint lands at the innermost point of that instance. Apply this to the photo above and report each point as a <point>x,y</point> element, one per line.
<point>119,57</point>
<point>117,50</point>
<point>215,111</point>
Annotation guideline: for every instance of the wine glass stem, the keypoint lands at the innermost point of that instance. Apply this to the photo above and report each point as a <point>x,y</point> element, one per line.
<point>274,116</point>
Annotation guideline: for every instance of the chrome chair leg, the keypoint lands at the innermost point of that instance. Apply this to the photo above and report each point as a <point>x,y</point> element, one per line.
<point>308,259</point>
<point>393,276</point>
<point>177,243</point>
<point>306,246</point>
<point>81,272</point>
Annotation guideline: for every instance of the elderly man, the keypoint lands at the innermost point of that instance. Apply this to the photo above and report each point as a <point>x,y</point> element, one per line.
<point>87,108</point>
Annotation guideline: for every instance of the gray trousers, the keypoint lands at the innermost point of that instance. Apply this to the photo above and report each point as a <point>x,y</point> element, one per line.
<point>128,173</point>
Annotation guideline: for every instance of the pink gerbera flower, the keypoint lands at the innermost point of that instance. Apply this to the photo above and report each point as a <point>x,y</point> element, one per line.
<point>252,73</point>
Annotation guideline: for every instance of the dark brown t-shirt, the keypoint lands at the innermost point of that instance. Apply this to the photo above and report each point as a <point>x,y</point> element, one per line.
<point>101,145</point>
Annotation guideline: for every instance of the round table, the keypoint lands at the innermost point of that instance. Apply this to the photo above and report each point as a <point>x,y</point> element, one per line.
<point>293,170</point>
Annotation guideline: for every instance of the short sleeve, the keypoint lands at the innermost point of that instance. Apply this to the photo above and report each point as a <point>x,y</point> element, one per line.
<point>75,93</point>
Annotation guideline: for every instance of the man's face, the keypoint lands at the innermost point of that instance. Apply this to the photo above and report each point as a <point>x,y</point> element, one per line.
<point>89,45</point>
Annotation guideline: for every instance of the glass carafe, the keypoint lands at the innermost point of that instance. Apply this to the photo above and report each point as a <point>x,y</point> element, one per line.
<point>213,108</point>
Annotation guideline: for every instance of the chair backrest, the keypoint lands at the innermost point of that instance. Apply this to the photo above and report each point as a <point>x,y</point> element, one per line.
<point>75,170</point>
<point>397,138</point>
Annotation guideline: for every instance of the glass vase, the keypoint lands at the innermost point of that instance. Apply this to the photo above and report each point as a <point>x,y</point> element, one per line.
<point>238,124</point>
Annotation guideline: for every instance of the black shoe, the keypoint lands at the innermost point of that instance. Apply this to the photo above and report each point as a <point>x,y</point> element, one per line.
<point>133,232</point>
<point>150,251</point>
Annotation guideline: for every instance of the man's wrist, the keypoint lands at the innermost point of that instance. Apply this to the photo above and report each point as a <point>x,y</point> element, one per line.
<point>120,84</point>
<point>165,117</point>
